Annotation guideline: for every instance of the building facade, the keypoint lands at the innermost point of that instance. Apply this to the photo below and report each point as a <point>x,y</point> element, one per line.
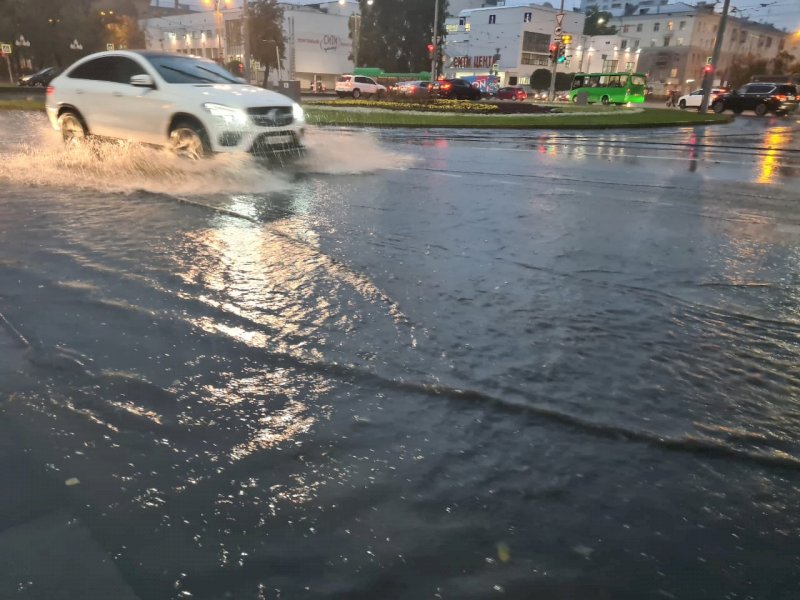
<point>318,44</point>
<point>515,38</point>
<point>677,42</point>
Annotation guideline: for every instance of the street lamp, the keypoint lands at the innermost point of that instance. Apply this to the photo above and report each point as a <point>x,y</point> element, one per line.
<point>21,42</point>
<point>219,22</point>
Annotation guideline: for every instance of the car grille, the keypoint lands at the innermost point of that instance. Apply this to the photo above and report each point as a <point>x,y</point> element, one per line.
<point>271,116</point>
<point>275,143</point>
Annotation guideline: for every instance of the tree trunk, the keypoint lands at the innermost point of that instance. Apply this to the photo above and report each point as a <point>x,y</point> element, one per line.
<point>266,77</point>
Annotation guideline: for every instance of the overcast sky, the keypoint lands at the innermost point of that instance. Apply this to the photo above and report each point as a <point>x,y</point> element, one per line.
<point>781,13</point>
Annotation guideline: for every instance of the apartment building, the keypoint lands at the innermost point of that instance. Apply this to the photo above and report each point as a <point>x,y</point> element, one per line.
<point>677,41</point>
<point>516,37</point>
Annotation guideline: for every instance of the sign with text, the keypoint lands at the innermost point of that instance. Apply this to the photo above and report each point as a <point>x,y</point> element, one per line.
<point>5,48</point>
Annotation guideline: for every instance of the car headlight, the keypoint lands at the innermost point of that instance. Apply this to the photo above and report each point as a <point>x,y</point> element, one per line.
<point>297,113</point>
<point>228,114</point>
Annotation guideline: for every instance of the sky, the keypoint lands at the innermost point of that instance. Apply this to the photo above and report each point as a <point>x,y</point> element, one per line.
<point>784,14</point>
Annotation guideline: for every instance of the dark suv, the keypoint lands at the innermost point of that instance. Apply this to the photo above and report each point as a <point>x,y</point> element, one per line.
<point>777,98</point>
<point>457,89</point>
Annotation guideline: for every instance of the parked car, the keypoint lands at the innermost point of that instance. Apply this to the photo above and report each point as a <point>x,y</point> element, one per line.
<point>511,93</point>
<point>187,103</point>
<point>357,86</point>
<point>777,98</point>
<point>562,96</point>
<point>38,79</point>
<point>695,98</point>
<point>539,96</point>
<point>414,88</point>
<point>455,89</point>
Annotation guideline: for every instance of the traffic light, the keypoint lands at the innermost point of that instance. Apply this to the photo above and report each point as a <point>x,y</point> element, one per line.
<point>562,54</point>
<point>554,51</point>
<point>430,51</point>
<point>708,69</point>
<point>566,39</point>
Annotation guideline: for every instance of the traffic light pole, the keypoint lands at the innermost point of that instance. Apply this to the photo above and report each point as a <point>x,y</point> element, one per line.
<point>559,20</point>
<point>708,79</point>
<point>435,58</point>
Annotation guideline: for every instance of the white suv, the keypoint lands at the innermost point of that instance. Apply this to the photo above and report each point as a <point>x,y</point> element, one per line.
<point>357,86</point>
<point>189,104</point>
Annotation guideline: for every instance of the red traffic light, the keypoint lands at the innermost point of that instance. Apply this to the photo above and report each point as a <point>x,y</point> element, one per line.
<point>708,68</point>
<point>430,48</point>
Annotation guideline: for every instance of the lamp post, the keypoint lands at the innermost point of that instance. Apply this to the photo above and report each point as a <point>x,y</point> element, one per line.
<point>219,23</point>
<point>435,59</point>
<point>21,42</point>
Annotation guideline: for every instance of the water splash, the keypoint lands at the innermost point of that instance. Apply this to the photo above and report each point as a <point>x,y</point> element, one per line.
<point>32,154</point>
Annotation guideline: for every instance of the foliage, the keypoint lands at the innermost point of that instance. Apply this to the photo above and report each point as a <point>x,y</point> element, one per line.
<point>427,105</point>
<point>266,33</point>
<point>540,80</point>
<point>394,35</point>
<point>592,25</point>
<point>51,26</point>
<point>750,66</point>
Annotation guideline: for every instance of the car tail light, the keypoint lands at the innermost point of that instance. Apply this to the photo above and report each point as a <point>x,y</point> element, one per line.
<point>781,98</point>
<point>50,90</point>
<point>446,86</point>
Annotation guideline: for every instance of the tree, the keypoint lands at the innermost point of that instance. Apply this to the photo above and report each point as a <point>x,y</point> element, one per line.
<point>266,34</point>
<point>597,23</point>
<point>394,35</point>
<point>781,62</point>
<point>540,80</point>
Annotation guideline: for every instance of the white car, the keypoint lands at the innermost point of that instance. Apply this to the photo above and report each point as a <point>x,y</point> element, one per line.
<point>693,99</point>
<point>187,103</point>
<point>357,86</point>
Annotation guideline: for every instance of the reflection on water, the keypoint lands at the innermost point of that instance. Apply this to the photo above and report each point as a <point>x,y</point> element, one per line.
<point>775,140</point>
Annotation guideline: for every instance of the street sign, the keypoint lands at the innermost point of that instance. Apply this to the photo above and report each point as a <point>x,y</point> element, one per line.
<point>560,18</point>
<point>495,66</point>
<point>109,46</point>
<point>5,48</point>
<point>558,31</point>
<point>709,59</point>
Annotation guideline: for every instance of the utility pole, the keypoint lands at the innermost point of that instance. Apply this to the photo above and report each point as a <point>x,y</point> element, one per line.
<point>435,60</point>
<point>246,40</point>
<point>708,79</point>
<point>557,38</point>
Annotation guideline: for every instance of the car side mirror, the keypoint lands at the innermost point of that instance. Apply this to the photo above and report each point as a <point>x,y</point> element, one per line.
<point>143,80</point>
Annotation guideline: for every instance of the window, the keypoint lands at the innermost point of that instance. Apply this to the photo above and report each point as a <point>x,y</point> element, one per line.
<point>670,25</point>
<point>623,44</point>
<point>609,66</point>
<point>526,18</point>
<point>626,28</point>
<point>769,42</point>
<point>117,69</point>
<point>190,70</point>
<point>680,41</point>
<point>666,40</point>
<point>635,44</point>
<point>743,37</point>
<point>462,21</point>
<point>652,42</point>
<point>673,73</point>
<point>656,26</point>
<point>535,42</point>
<point>682,25</point>
<point>492,19</point>
<point>639,27</point>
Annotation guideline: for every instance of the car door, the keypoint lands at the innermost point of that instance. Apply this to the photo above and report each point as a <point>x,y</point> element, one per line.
<point>140,113</point>
<point>695,98</point>
<point>89,92</point>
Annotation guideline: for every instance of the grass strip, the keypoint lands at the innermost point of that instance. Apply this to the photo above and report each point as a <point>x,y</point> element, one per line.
<point>22,104</point>
<point>650,117</point>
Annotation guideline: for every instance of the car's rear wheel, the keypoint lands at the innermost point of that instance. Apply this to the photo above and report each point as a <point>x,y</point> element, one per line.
<point>761,109</point>
<point>718,107</point>
<point>682,104</point>
<point>606,100</point>
<point>72,130</point>
<point>189,140</point>
<point>356,94</point>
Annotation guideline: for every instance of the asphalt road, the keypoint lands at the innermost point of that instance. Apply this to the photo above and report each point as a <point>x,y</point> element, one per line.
<point>419,364</point>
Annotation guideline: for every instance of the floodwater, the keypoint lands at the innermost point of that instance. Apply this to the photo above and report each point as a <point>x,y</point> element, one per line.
<point>418,364</point>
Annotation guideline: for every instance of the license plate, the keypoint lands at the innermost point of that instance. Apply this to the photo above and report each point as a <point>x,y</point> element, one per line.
<point>279,139</point>
<point>790,97</point>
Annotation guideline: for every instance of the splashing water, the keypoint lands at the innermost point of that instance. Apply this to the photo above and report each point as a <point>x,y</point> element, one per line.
<point>32,154</point>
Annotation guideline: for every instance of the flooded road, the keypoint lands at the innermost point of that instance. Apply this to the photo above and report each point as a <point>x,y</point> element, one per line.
<point>419,364</point>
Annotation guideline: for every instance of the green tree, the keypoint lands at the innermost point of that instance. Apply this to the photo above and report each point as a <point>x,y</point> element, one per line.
<point>597,23</point>
<point>781,62</point>
<point>266,34</point>
<point>394,34</point>
<point>540,80</point>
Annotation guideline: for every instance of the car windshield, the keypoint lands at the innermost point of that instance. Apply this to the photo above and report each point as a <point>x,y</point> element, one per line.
<point>179,69</point>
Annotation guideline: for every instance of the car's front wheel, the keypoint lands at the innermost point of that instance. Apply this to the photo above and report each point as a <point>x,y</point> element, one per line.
<point>189,140</point>
<point>761,110</point>
<point>72,130</point>
<point>356,94</point>
<point>718,107</point>
<point>682,104</point>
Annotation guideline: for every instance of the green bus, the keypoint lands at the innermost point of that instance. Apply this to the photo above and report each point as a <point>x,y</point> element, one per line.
<point>609,88</point>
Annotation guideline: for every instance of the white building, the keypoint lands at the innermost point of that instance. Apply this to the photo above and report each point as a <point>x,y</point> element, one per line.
<point>516,37</point>
<point>317,33</point>
<point>604,54</point>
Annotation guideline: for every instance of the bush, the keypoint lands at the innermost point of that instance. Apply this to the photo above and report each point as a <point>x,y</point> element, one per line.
<point>418,104</point>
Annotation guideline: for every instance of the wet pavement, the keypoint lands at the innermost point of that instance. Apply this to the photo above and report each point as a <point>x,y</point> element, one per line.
<point>419,364</point>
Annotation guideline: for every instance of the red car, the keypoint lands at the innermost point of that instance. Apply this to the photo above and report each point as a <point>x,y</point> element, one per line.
<point>512,93</point>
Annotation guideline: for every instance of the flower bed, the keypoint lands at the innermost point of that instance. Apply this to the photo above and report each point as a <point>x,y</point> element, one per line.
<point>421,105</point>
